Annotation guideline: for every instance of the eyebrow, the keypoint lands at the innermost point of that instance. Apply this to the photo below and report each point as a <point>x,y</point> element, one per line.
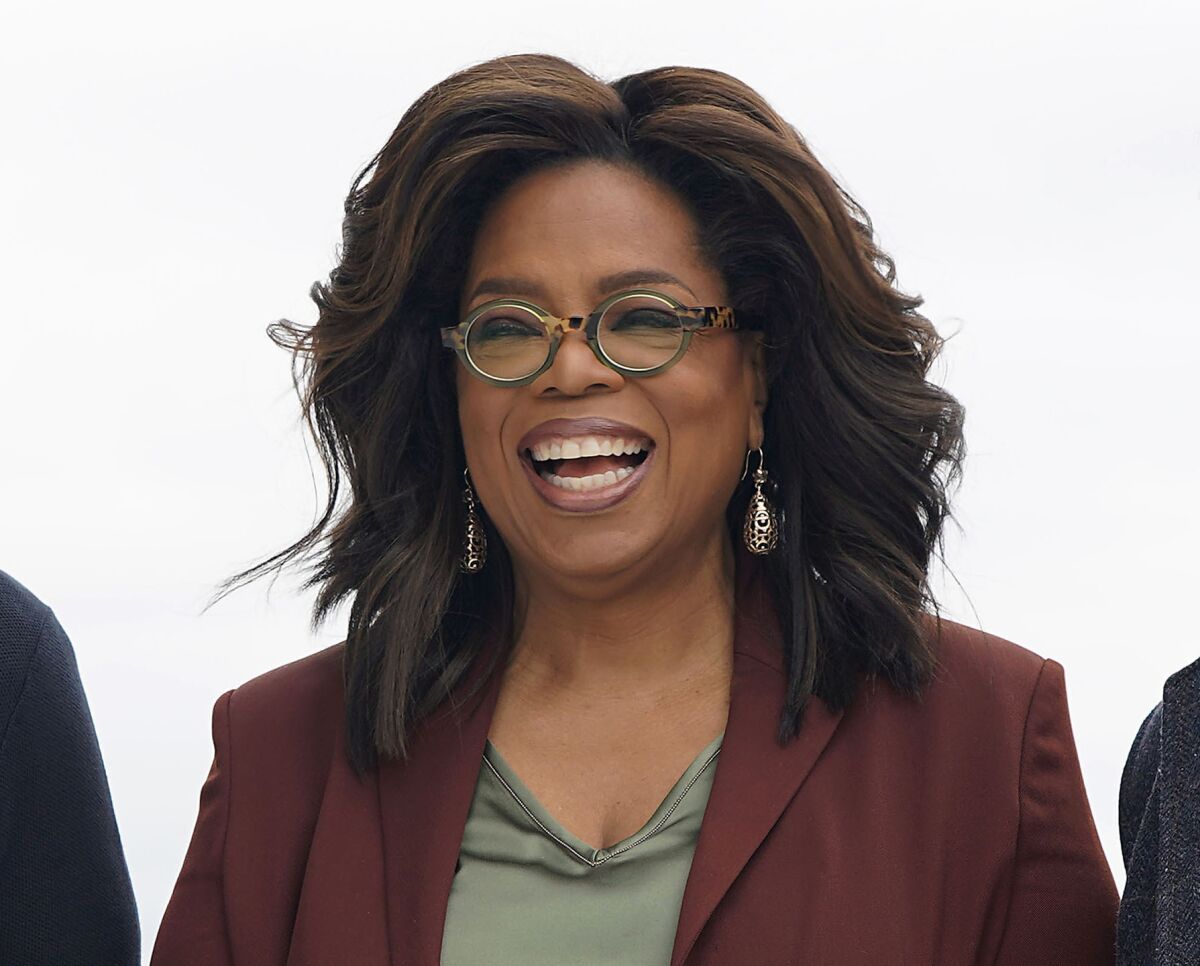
<point>627,279</point>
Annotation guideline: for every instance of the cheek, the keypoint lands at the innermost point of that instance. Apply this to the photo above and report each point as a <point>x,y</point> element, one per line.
<point>480,414</point>
<point>713,386</point>
<point>705,409</point>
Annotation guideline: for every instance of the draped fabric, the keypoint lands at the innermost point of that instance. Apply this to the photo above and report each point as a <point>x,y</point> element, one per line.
<point>527,890</point>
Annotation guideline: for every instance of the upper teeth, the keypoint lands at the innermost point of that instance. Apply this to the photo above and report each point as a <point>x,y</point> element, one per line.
<point>580,446</point>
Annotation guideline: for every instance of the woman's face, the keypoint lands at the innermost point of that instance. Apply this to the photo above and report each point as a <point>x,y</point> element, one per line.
<point>565,239</point>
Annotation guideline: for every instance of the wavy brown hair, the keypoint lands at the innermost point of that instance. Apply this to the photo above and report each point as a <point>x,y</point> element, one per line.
<point>862,446</point>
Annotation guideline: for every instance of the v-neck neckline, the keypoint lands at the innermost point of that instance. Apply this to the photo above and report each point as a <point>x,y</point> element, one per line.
<point>583,851</point>
<point>425,799</point>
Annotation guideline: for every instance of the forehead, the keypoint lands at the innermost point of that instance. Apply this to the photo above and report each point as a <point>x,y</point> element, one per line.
<point>566,229</point>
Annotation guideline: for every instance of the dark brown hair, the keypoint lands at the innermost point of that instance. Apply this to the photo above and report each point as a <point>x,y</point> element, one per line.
<point>862,447</point>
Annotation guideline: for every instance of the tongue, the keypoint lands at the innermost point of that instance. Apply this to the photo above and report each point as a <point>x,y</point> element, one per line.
<point>591,465</point>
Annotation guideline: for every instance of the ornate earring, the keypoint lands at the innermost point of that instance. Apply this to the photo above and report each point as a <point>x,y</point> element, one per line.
<point>761,529</point>
<point>475,540</point>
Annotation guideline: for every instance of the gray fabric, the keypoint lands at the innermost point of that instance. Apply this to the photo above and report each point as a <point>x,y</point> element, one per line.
<point>1159,921</point>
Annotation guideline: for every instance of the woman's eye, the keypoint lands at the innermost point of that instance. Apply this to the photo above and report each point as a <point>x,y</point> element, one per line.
<point>646,318</point>
<point>507,328</point>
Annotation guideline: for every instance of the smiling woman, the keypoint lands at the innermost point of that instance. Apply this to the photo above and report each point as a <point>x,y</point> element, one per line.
<point>644,479</point>
<point>693,408</point>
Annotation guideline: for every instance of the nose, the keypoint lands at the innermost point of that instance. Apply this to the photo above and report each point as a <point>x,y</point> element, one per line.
<point>576,370</point>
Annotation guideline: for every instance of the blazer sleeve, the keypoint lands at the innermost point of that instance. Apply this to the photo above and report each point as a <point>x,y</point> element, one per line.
<point>1063,906</point>
<point>194,930</point>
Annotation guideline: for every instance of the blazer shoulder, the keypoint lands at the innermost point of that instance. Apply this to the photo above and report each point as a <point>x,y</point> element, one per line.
<point>297,681</point>
<point>1182,689</point>
<point>984,668</point>
<point>35,652</point>
<point>293,706</point>
<point>23,616</point>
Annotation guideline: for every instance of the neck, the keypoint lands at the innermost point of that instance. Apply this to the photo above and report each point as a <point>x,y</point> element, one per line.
<point>661,626</point>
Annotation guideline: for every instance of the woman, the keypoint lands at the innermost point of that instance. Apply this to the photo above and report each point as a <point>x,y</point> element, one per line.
<point>644,477</point>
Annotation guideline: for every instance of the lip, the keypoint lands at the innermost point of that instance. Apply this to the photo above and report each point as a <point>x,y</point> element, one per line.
<point>579,501</point>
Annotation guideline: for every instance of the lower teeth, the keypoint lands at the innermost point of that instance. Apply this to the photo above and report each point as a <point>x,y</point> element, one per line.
<point>592,482</point>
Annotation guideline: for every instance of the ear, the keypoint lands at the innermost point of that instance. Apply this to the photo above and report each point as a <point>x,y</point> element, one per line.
<point>756,375</point>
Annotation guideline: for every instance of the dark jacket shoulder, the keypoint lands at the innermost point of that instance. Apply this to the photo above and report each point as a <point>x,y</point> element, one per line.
<point>23,622</point>
<point>1160,830</point>
<point>65,892</point>
<point>1137,782</point>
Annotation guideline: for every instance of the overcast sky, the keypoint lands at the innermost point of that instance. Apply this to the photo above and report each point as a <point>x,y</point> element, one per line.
<point>172,183</point>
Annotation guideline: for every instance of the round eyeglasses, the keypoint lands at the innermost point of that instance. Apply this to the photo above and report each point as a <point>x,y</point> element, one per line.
<point>638,332</point>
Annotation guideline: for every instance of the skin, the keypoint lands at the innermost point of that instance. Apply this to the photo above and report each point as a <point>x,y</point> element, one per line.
<point>624,615</point>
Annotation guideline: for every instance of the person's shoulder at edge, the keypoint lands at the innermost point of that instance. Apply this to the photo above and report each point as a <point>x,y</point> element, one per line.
<point>293,686</point>
<point>983,670</point>
<point>1138,824</point>
<point>23,619</point>
<point>1157,810</point>
<point>297,705</point>
<point>1005,699</point>
<point>58,831</point>
<point>988,691</point>
<point>986,698</point>
<point>1138,778</point>
<point>277,739</point>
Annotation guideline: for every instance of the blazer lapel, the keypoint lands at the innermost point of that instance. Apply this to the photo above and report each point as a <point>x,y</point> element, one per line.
<point>755,777</point>
<point>341,916</point>
<point>424,803</point>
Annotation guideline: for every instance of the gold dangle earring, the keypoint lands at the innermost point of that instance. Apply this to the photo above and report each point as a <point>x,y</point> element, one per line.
<point>761,529</point>
<point>475,540</point>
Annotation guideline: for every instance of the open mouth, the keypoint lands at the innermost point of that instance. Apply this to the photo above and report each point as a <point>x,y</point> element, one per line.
<point>587,464</point>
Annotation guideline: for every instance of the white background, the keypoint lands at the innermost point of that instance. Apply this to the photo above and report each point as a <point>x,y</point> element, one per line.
<point>173,179</point>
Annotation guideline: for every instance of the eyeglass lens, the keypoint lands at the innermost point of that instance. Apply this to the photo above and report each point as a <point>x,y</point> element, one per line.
<point>635,332</point>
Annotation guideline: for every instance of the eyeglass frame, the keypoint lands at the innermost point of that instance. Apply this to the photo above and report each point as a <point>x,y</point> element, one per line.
<point>692,319</point>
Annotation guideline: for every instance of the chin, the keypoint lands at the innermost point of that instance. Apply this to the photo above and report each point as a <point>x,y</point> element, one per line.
<point>592,556</point>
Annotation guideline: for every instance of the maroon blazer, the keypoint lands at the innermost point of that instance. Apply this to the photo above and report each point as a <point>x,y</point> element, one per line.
<point>952,830</point>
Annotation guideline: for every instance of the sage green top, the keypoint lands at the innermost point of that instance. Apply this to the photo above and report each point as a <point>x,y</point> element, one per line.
<point>528,891</point>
